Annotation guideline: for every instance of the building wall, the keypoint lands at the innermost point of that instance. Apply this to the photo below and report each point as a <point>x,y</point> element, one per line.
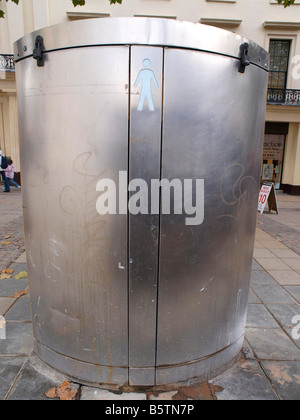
<point>259,20</point>
<point>34,14</point>
<point>9,133</point>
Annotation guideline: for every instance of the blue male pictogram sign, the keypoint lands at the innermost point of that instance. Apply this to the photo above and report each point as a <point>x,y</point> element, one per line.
<point>146,77</point>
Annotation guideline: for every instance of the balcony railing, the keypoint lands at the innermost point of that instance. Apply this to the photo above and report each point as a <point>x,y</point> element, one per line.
<point>283,97</point>
<point>7,62</point>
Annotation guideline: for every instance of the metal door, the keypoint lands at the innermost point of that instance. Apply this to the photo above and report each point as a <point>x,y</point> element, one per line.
<point>74,132</point>
<point>178,325</point>
<point>144,164</point>
<point>211,132</point>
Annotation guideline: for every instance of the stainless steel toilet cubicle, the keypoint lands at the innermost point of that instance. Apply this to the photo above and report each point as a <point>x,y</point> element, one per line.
<point>136,294</point>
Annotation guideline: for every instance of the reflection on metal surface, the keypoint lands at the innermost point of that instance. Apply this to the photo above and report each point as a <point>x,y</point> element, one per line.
<point>142,297</point>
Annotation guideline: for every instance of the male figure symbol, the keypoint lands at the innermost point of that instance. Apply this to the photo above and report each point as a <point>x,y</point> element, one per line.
<point>146,77</point>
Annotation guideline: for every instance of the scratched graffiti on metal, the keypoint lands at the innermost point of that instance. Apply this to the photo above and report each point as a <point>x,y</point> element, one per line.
<point>237,190</point>
<point>87,262</point>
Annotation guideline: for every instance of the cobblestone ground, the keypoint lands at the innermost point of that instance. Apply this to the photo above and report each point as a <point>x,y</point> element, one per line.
<point>11,228</point>
<point>285,227</point>
<point>11,242</point>
<point>288,236</point>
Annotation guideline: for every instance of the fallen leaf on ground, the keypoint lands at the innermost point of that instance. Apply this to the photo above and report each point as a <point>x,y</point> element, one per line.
<point>51,393</point>
<point>5,243</point>
<point>24,292</point>
<point>5,276</point>
<point>63,392</point>
<point>204,391</point>
<point>22,275</point>
<point>7,271</point>
<point>7,237</point>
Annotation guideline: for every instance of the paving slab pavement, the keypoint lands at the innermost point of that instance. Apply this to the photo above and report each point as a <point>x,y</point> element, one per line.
<point>11,227</point>
<point>269,368</point>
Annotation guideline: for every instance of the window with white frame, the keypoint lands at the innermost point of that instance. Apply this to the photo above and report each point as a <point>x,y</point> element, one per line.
<point>279,63</point>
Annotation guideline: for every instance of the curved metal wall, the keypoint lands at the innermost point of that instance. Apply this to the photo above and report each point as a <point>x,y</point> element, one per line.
<point>139,299</point>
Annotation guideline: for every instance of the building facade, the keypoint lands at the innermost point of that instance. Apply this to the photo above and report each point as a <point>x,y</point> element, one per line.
<point>263,21</point>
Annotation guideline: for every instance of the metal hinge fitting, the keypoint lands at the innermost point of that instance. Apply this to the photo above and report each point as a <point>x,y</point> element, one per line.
<point>244,57</point>
<point>38,52</point>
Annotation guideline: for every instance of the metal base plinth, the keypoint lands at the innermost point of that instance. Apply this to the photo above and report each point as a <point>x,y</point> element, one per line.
<point>167,376</point>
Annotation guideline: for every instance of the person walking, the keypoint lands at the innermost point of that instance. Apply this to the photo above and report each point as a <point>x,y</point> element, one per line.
<point>3,166</point>
<point>10,174</point>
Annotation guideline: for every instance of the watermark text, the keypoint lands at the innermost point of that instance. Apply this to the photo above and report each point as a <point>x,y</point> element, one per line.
<point>157,197</point>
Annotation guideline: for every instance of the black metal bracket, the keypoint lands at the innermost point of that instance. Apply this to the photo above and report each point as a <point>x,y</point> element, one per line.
<point>244,57</point>
<point>38,52</point>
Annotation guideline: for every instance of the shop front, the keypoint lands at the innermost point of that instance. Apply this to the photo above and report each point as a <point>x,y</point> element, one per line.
<point>273,153</point>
